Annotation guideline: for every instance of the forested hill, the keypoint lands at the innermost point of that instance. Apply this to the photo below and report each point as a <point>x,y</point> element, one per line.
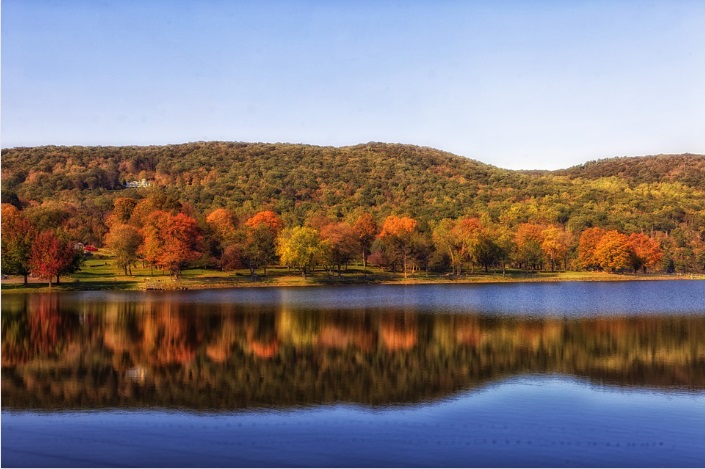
<point>301,181</point>
<point>687,169</point>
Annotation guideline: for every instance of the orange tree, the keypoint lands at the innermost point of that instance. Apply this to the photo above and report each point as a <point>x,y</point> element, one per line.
<point>645,252</point>
<point>171,241</point>
<point>366,230</point>
<point>398,235</point>
<point>613,251</point>
<point>587,245</point>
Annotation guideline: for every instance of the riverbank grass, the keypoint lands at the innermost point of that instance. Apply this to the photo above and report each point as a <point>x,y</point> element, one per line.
<point>100,273</point>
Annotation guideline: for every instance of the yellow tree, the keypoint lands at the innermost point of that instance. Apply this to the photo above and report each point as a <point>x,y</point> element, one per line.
<point>445,240</point>
<point>555,245</point>
<point>529,238</point>
<point>470,234</point>
<point>301,247</point>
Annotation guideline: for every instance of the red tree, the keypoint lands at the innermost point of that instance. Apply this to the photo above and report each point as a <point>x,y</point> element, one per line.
<point>50,256</point>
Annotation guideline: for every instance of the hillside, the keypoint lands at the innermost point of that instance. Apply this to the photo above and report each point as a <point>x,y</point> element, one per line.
<point>687,169</point>
<point>285,177</point>
<point>300,181</point>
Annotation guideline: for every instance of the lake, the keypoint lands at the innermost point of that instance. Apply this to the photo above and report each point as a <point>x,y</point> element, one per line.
<point>536,374</point>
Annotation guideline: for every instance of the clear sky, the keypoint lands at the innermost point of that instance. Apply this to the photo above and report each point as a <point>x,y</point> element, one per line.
<point>518,84</point>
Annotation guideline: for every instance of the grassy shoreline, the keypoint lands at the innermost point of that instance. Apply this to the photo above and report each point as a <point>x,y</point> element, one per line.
<point>99,273</point>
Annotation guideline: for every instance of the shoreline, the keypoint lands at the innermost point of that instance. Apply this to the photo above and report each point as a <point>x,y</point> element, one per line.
<point>13,284</point>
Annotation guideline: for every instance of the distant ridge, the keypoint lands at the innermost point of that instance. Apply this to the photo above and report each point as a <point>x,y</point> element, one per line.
<point>687,169</point>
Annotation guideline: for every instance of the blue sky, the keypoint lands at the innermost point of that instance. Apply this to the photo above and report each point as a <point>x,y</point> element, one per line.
<point>517,84</point>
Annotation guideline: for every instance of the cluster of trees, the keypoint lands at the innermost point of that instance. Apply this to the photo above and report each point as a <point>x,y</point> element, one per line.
<point>167,234</point>
<point>239,205</point>
<point>48,254</point>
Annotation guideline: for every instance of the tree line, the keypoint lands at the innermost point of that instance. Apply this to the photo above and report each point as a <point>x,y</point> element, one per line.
<point>168,236</point>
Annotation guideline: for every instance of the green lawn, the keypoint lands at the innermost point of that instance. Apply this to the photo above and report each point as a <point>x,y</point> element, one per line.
<point>100,273</point>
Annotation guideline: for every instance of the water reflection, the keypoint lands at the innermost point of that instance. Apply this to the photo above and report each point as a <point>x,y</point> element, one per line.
<point>66,352</point>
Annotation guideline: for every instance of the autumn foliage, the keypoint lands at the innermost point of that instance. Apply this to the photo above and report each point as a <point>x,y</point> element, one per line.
<point>50,256</point>
<point>170,241</point>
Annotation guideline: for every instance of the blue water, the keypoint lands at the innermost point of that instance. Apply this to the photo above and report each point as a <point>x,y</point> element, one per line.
<point>572,299</point>
<point>532,421</point>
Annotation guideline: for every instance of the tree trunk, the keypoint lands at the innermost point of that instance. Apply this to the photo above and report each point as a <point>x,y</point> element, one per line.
<point>58,279</point>
<point>25,279</point>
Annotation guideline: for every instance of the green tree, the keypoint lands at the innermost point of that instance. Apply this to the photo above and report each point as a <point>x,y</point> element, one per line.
<point>17,238</point>
<point>124,241</point>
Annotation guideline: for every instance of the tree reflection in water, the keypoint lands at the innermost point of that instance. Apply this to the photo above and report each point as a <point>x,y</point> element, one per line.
<point>60,353</point>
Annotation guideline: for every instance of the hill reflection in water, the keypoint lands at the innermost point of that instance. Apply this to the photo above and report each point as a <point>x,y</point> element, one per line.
<point>59,353</point>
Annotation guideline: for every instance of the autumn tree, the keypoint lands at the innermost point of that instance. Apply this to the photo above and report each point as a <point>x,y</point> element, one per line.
<point>17,237</point>
<point>529,239</point>
<point>366,230</point>
<point>555,245</point>
<point>232,258</point>
<point>645,252</point>
<point>301,247</point>
<point>343,241</point>
<point>613,252</point>
<point>397,233</point>
<point>124,241</point>
<point>587,245</point>
<point>122,209</point>
<point>259,235</point>
<point>470,234</point>
<point>50,256</point>
<point>503,239</point>
<point>171,241</point>
<point>220,231</point>
<point>445,240</point>
<point>268,218</point>
<point>223,223</point>
<point>258,247</point>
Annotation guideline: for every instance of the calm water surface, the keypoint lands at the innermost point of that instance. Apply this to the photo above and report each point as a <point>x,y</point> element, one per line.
<point>560,374</point>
